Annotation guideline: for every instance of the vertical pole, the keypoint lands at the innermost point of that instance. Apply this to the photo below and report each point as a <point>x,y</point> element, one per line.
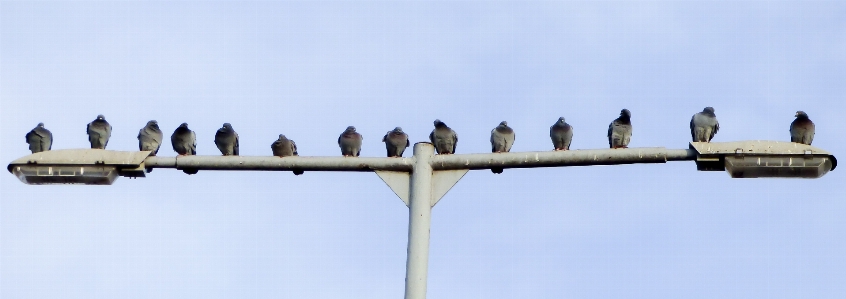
<point>419,219</point>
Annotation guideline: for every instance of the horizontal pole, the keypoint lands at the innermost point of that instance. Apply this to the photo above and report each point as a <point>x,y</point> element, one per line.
<point>280,164</point>
<point>439,162</point>
<point>561,158</point>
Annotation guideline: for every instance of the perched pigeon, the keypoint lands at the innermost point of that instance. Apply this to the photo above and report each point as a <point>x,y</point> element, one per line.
<point>443,138</point>
<point>396,141</point>
<point>150,138</point>
<point>350,142</point>
<point>284,147</point>
<point>39,139</point>
<point>561,134</point>
<point>502,138</point>
<point>802,129</point>
<point>226,140</point>
<point>184,141</point>
<point>620,130</point>
<point>704,125</point>
<point>99,132</point>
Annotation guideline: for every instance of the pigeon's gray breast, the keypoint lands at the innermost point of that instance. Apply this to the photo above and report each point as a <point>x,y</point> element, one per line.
<point>99,132</point>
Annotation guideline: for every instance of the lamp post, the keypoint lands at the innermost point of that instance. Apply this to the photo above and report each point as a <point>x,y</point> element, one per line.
<point>422,180</point>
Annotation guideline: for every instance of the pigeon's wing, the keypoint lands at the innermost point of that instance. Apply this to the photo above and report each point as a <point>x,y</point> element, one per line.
<point>193,143</point>
<point>432,136</point>
<point>716,128</point>
<point>693,128</point>
<point>50,140</point>
<point>339,139</point>
<point>236,143</point>
<point>407,143</point>
<point>454,140</point>
<point>294,147</point>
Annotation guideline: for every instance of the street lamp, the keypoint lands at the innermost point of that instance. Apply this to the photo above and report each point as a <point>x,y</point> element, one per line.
<point>762,159</point>
<point>422,180</point>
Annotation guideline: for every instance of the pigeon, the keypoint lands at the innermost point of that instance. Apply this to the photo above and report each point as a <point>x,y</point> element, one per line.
<point>502,138</point>
<point>443,138</point>
<point>802,129</point>
<point>150,138</point>
<point>284,147</point>
<point>620,130</point>
<point>226,140</point>
<point>704,125</point>
<point>561,134</point>
<point>99,132</point>
<point>396,141</point>
<point>350,142</point>
<point>184,141</point>
<point>39,139</point>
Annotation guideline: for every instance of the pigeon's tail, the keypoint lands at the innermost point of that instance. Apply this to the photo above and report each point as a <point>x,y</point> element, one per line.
<point>496,170</point>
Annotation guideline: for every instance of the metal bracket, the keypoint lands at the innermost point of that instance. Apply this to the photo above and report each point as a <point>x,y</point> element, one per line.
<point>398,181</point>
<point>442,182</point>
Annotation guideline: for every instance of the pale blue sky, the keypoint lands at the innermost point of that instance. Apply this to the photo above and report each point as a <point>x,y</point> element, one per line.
<point>309,69</point>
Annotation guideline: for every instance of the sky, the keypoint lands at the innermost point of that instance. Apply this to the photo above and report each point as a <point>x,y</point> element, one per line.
<point>310,69</point>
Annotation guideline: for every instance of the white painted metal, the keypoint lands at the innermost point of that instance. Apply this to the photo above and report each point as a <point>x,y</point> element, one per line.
<point>443,181</point>
<point>419,221</point>
<point>398,182</point>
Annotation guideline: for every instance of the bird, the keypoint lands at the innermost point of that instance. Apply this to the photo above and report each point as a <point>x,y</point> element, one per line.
<point>802,129</point>
<point>704,125</point>
<point>184,141</point>
<point>561,134</point>
<point>284,147</point>
<point>99,132</point>
<point>226,140</point>
<point>40,139</point>
<point>620,130</point>
<point>350,142</point>
<point>396,141</point>
<point>150,138</point>
<point>444,138</point>
<point>502,138</point>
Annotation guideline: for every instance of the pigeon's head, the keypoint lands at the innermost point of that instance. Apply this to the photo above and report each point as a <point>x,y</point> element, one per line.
<point>152,123</point>
<point>350,129</point>
<point>397,130</point>
<point>282,137</point>
<point>183,126</point>
<point>227,126</point>
<point>801,114</point>
<point>40,125</point>
<point>101,117</point>
<point>625,113</point>
<point>503,123</point>
<point>561,120</point>
<point>439,123</point>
